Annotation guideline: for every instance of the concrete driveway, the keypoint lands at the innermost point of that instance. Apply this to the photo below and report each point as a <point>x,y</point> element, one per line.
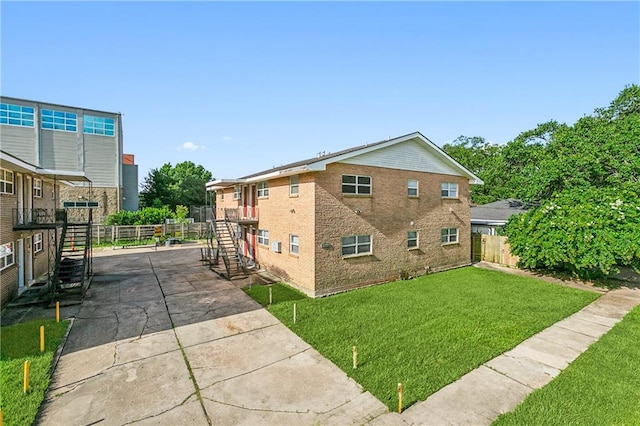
<point>160,339</point>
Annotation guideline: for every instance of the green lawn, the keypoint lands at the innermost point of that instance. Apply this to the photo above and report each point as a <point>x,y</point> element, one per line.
<point>601,387</point>
<point>18,343</point>
<point>427,332</point>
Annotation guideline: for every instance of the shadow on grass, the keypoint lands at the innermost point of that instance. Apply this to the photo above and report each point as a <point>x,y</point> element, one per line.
<point>279,293</point>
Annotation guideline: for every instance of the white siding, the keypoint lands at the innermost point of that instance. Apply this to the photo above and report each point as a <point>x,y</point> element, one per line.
<point>59,150</point>
<point>20,142</point>
<point>101,160</point>
<point>410,155</point>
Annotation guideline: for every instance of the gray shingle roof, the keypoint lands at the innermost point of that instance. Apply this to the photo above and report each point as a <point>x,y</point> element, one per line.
<point>499,211</point>
<point>322,157</point>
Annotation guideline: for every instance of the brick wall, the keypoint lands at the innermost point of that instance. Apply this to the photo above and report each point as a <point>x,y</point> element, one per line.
<point>387,215</point>
<point>107,199</point>
<point>283,215</point>
<point>40,263</point>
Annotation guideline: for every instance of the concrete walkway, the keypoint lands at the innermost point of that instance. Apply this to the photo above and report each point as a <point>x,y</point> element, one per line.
<point>160,339</point>
<point>499,385</point>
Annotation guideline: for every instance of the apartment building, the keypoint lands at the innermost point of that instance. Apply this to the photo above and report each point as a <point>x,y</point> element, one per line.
<point>62,137</point>
<point>28,229</point>
<point>361,216</point>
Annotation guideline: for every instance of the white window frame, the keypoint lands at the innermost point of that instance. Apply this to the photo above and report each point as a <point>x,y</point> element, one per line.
<point>263,189</point>
<point>236,192</point>
<point>6,184</point>
<point>358,187</point>
<point>7,255</point>
<point>37,242</point>
<point>37,188</point>
<point>449,236</point>
<point>357,245</point>
<point>411,187</point>
<point>449,190</point>
<point>413,238</point>
<point>294,186</point>
<point>263,237</point>
<point>294,244</point>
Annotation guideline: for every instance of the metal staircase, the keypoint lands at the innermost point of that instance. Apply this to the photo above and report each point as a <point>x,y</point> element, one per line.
<point>73,263</point>
<point>224,244</point>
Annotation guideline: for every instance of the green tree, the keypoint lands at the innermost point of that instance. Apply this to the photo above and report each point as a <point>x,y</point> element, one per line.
<point>483,159</point>
<point>171,186</point>
<point>587,178</point>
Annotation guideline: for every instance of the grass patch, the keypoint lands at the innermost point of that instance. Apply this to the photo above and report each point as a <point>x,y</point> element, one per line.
<point>19,343</point>
<point>426,332</point>
<point>601,387</point>
<point>280,294</point>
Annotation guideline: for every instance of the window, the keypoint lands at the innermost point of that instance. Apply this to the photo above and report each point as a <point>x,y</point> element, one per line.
<point>263,189</point>
<point>6,181</point>
<point>449,236</point>
<point>99,126</point>
<point>353,184</point>
<point>16,115</point>
<point>412,187</point>
<point>356,245</point>
<point>294,244</point>
<point>449,190</point>
<point>263,237</point>
<point>59,120</point>
<point>79,204</point>
<point>412,239</point>
<point>294,186</point>
<point>222,194</point>
<point>6,255</point>
<point>37,188</point>
<point>236,192</point>
<point>37,242</point>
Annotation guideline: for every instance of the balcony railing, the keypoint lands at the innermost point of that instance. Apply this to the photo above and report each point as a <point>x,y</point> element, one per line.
<point>37,218</point>
<point>239,214</point>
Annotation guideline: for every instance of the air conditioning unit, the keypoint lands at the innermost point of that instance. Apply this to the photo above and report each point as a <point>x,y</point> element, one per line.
<point>276,246</point>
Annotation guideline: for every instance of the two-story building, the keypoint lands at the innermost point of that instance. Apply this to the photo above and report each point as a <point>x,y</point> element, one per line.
<point>54,157</point>
<point>63,137</point>
<point>348,219</point>
<point>28,230</point>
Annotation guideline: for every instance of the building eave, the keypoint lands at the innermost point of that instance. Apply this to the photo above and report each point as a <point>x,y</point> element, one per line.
<point>18,165</point>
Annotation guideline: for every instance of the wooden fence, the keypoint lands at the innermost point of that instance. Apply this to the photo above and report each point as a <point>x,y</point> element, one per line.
<point>492,248</point>
<point>111,234</point>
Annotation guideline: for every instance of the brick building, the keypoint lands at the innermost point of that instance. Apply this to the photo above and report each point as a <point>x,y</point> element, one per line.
<point>62,137</point>
<point>357,217</point>
<point>28,199</point>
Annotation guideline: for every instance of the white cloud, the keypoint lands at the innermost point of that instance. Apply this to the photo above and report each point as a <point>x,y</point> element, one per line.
<point>190,146</point>
<point>226,138</point>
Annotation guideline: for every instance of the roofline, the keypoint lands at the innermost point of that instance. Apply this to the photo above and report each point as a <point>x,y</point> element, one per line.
<point>59,105</point>
<point>488,222</point>
<point>65,175</point>
<point>320,163</point>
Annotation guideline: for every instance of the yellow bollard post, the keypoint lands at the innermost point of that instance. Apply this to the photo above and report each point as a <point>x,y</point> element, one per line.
<point>57,313</point>
<point>355,357</point>
<point>294,313</point>
<point>399,398</point>
<point>25,382</point>
<point>270,296</point>
<point>42,338</point>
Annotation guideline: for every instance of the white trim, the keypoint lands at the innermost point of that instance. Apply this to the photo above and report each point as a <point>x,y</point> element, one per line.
<point>321,165</point>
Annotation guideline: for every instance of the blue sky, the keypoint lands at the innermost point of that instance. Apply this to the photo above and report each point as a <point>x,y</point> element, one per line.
<point>241,87</point>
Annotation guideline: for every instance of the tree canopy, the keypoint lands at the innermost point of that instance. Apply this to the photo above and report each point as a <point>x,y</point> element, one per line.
<point>586,179</point>
<point>171,186</point>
